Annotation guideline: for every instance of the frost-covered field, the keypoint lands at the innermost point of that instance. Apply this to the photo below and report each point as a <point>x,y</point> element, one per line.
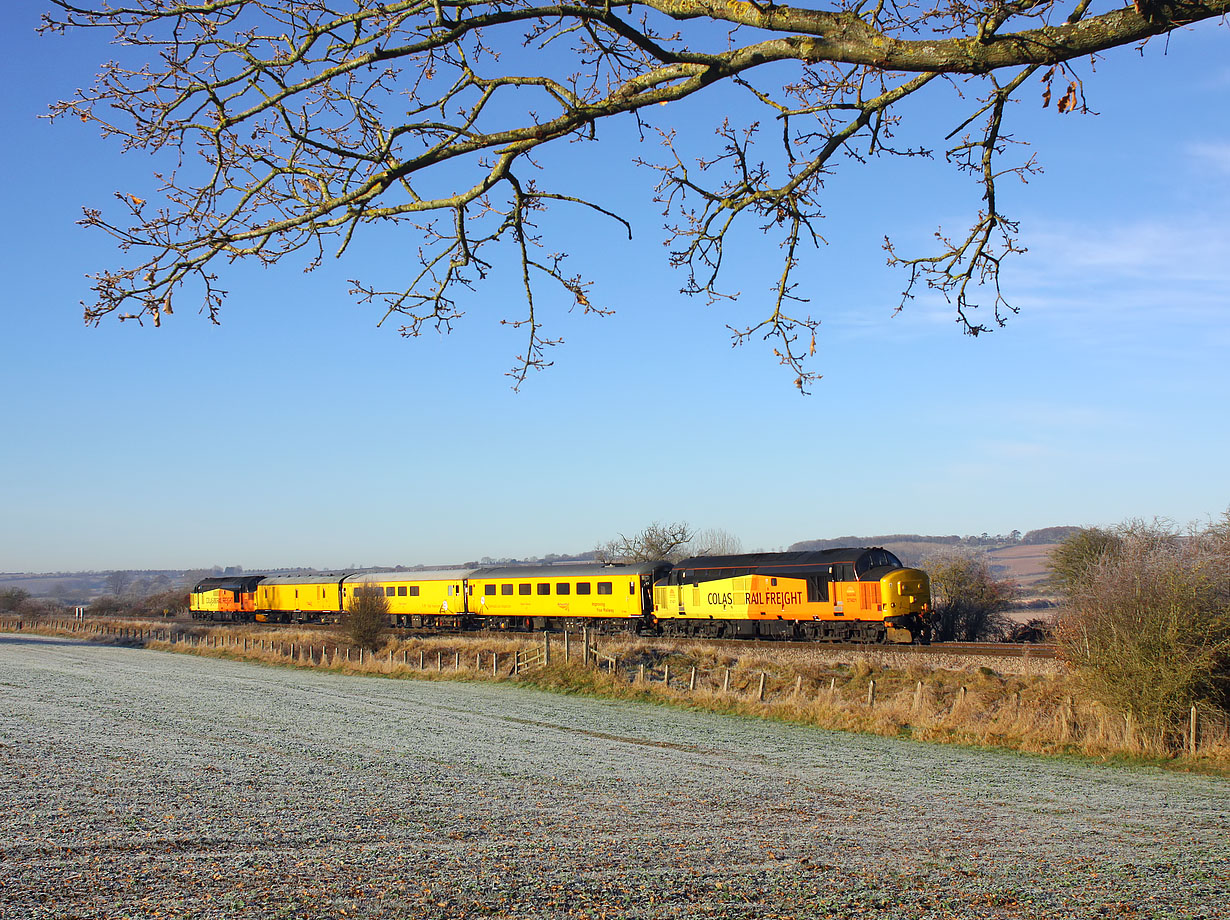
<point>144,784</point>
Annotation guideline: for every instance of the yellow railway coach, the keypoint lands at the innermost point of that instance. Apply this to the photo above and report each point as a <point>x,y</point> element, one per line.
<point>300,598</point>
<point>565,596</point>
<point>860,594</point>
<point>418,599</point>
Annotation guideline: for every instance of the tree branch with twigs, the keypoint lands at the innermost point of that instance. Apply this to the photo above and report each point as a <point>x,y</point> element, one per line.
<point>296,128</point>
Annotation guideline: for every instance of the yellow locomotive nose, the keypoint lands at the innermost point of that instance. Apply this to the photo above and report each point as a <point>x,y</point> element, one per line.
<point>908,596</point>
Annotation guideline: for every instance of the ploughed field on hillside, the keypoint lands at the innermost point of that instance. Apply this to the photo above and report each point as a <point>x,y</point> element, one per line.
<point>139,783</point>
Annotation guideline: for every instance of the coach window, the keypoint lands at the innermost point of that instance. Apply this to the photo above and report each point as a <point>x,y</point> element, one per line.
<point>401,591</point>
<point>489,589</point>
<point>563,587</point>
<point>506,589</point>
<point>605,587</point>
<point>544,588</point>
<point>582,587</point>
<point>525,588</point>
<point>414,590</point>
<point>390,591</point>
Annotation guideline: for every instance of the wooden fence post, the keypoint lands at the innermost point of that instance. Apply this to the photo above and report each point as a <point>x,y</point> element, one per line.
<point>640,674</point>
<point>871,693</point>
<point>692,681</point>
<point>760,692</point>
<point>422,659</point>
<point>457,660</point>
<point>1191,731</point>
<point>495,664</point>
<point>798,685</point>
<point>917,696</point>
<point>726,681</point>
<point>585,646</point>
<point>567,647</point>
<point>546,647</point>
<point>666,674</point>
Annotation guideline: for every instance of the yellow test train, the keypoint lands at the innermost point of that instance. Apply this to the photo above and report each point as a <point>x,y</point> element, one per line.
<point>859,594</point>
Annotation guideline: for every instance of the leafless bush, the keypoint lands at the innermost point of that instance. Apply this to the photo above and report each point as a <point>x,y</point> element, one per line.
<point>969,602</point>
<point>367,617</point>
<point>12,598</point>
<point>1148,625</point>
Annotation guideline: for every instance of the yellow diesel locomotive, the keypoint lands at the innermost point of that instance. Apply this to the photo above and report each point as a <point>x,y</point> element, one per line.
<point>858,594</point>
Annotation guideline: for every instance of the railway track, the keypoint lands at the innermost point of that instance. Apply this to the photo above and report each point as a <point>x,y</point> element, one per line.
<point>990,649</point>
<point>995,649</point>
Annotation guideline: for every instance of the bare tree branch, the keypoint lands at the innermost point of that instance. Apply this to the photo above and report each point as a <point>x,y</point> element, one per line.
<point>296,127</point>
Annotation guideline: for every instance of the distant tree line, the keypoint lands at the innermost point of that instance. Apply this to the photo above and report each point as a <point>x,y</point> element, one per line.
<point>1043,535</point>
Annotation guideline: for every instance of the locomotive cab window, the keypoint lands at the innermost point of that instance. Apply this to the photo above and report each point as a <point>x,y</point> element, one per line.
<point>875,558</point>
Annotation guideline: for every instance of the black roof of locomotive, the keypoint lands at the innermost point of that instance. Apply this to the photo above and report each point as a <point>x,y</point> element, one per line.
<point>801,559</point>
<point>245,584</point>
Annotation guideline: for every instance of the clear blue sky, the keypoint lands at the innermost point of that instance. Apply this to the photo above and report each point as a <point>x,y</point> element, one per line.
<point>298,433</point>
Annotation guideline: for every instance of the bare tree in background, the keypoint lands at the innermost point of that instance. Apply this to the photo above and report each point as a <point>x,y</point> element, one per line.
<point>118,582</point>
<point>670,542</point>
<point>713,541</point>
<point>293,127</point>
<point>657,541</point>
